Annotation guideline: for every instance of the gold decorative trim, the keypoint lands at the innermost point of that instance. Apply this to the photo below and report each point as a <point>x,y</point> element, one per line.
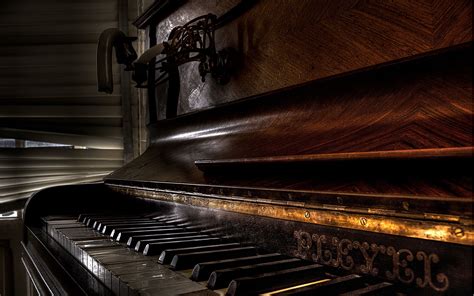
<point>450,230</point>
<point>318,248</point>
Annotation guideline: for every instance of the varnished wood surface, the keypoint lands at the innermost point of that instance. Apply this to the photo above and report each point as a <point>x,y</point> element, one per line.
<point>433,153</point>
<point>423,104</point>
<point>285,42</point>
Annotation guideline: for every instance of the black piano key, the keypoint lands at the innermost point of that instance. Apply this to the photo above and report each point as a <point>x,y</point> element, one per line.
<point>59,217</point>
<point>275,280</point>
<point>97,225</point>
<point>202,271</point>
<point>155,248</point>
<point>95,220</point>
<point>124,236</point>
<point>116,231</point>
<point>165,221</point>
<point>106,229</point>
<point>221,278</point>
<point>165,217</point>
<point>89,220</point>
<point>81,217</point>
<point>84,216</point>
<point>141,244</point>
<point>187,224</point>
<point>177,221</point>
<point>196,228</point>
<point>152,215</point>
<point>132,240</point>
<point>382,289</point>
<point>167,255</point>
<point>332,287</point>
<point>189,260</point>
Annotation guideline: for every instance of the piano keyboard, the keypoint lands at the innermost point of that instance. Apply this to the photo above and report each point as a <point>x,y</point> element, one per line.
<point>167,255</point>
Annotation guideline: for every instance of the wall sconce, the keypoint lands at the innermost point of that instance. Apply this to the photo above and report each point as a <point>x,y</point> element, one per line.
<point>192,42</point>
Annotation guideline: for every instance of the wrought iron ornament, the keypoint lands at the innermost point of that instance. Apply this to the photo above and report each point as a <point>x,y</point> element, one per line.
<point>192,42</point>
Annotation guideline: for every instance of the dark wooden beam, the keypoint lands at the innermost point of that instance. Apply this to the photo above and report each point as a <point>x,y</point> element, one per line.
<point>125,84</point>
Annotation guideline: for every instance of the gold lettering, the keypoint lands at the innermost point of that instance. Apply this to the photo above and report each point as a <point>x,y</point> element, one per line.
<point>440,277</point>
<point>316,256</point>
<point>326,257</point>
<point>408,274</point>
<point>369,260</point>
<point>324,248</point>
<point>304,244</point>
<point>343,259</point>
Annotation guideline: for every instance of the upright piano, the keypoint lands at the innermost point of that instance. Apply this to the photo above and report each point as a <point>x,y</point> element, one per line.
<point>336,161</point>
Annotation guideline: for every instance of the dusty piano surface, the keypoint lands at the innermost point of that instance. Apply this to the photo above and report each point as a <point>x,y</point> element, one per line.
<point>354,179</point>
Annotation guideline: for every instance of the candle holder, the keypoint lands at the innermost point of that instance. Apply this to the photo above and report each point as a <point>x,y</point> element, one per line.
<point>192,42</point>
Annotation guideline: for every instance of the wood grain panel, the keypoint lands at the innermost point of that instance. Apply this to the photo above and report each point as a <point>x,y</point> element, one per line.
<point>420,104</point>
<point>284,43</point>
<point>334,158</point>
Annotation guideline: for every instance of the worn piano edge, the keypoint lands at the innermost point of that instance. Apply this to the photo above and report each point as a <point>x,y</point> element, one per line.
<point>431,153</point>
<point>44,266</point>
<point>443,228</point>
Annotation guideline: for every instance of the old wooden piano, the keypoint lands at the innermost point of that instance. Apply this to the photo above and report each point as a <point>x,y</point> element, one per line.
<point>337,161</point>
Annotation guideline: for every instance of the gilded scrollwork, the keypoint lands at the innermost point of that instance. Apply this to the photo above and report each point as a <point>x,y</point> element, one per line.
<point>345,261</point>
<point>304,244</point>
<point>368,258</point>
<point>326,256</point>
<point>317,255</point>
<point>400,263</point>
<point>441,278</point>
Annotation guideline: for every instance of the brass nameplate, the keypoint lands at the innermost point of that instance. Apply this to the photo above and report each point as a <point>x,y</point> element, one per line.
<point>372,220</point>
